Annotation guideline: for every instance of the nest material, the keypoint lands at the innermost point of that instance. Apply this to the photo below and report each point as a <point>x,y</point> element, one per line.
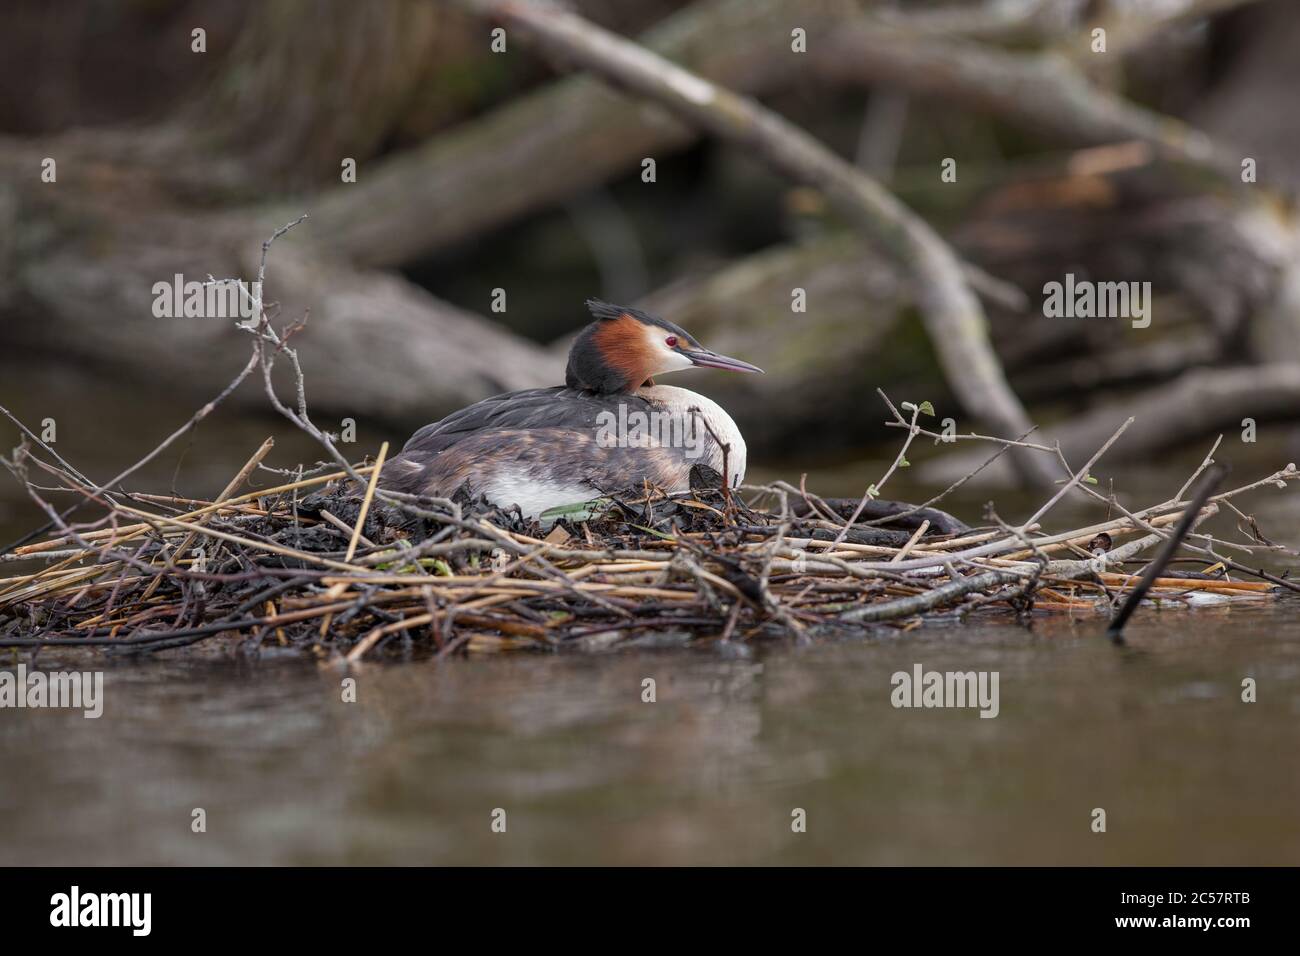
<point>290,568</point>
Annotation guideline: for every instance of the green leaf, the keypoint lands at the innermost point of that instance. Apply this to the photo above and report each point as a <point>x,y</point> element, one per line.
<point>927,409</point>
<point>657,534</point>
<point>395,552</point>
<point>904,463</point>
<point>578,511</point>
<point>1089,479</point>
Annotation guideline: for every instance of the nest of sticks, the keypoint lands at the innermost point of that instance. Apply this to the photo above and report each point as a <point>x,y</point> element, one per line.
<point>326,566</point>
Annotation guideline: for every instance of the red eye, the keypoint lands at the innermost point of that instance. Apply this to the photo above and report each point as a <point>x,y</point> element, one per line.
<point>671,341</point>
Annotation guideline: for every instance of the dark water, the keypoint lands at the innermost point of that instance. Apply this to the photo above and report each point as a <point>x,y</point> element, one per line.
<point>586,772</point>
<point>1156,734</point>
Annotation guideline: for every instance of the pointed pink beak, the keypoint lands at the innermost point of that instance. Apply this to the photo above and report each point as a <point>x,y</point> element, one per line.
<point>707,359</point>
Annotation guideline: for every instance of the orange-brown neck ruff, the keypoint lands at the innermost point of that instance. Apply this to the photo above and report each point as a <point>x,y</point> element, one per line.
<point>623,347</point>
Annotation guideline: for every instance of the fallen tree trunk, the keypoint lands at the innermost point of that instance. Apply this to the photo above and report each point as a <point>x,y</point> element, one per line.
<point>1043,92</point>
<point>1199,403</point>
<point>83,283</point>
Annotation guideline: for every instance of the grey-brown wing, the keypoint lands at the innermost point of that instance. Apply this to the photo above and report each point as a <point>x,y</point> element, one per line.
<point>507,461</point>
<point>535,408</point>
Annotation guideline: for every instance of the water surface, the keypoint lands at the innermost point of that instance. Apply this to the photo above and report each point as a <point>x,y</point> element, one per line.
<point>586,772</point>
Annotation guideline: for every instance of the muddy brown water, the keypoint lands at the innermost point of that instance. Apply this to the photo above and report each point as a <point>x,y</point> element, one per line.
<point>737,741</point>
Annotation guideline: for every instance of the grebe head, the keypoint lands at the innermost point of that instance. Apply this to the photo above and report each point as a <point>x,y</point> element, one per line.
<point>624,348</point>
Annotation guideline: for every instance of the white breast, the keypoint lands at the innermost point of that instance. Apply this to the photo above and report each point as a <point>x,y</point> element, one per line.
<point>534,495</point>
<point>681,401</point>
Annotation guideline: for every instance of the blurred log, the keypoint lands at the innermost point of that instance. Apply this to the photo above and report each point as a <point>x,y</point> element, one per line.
<point>1200,403</point>
<point>375,344</point>
<point>1225,266</point>
<point>309,82</point>
<point>80,286</point>
<point>544,147</point>
<point>1076,379</point>
<point>1226,280</point>
<point>1253,101</point>
<point>302,84</point>
<point>286,90</point>
<point>1043,92</point>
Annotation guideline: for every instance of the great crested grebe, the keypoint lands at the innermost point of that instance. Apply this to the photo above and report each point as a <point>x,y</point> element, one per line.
<point>609,428</point>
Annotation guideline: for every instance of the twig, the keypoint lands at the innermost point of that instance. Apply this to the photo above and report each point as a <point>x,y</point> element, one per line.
<point>874,490</point>
<point>1212,479</point>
